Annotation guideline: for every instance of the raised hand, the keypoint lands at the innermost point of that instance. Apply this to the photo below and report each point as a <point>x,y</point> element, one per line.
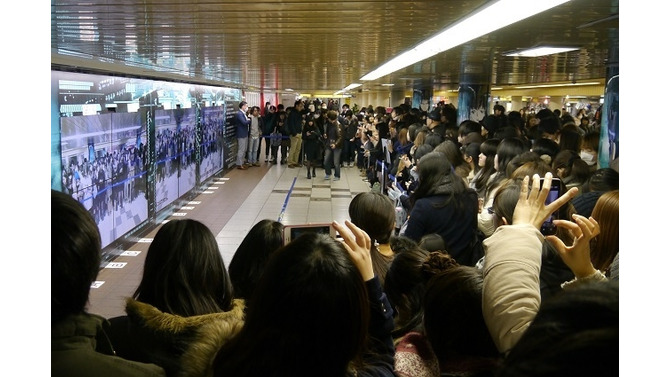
<point>358,244</point>
<point>530,208</point>
<point>577,256</point>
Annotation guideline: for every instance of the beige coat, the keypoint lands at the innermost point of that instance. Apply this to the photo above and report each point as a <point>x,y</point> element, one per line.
<point>511,292</point>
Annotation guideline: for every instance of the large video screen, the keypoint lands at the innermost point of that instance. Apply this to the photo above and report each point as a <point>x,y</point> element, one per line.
<point>213,122</point>
<point>175,154</point>
<point>103,160</point>
<point>186,149</point>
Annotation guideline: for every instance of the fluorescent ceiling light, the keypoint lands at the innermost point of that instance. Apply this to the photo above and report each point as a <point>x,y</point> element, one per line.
<point>541,51</point>
<point>348,88</point>
<point>352,86</point>
<point>388,84</point>
<point>486,20</point>
<point>555,85</point>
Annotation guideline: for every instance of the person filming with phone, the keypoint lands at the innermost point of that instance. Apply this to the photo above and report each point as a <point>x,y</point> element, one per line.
<point>575,325</point>
<point>553,271</point>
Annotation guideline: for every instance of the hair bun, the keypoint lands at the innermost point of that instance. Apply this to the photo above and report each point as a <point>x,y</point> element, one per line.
<point>437,262</point>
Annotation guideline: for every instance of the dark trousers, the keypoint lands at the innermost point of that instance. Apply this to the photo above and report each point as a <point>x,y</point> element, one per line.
<point>266,140</point>
<point>349,151</point>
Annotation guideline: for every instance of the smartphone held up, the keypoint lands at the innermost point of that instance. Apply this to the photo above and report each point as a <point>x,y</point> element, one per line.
<point>292,232</point>
<point>548,227</point>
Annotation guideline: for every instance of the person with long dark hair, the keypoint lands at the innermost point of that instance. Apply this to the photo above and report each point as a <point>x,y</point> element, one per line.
<point>318,310</point>
<point>183,308</point>
<point>251,257</point>
<point>486,162</point>
<point>455,156</point>
<point>443,204</point>
<point>405,285</point>
<point>507,149</point>
<point>538,336</point>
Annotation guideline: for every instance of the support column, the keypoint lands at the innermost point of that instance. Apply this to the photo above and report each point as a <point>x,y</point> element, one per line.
<point>517,103</point>
<point>397,97</point>
<point>608,152</point>
<point>472,102</point>
<point>384,99</point>
<point>422,96</point>
<point>474,91</point>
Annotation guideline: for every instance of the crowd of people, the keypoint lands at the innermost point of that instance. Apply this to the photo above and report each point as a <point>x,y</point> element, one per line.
<point>444,269</point>
<point>312,134</point>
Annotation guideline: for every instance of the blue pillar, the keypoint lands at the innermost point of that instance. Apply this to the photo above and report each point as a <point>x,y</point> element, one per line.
<point>474,88</point>
<point>473,101</point>
<point>609,128</point>
<point>422,97</point>
<point>609,125</point>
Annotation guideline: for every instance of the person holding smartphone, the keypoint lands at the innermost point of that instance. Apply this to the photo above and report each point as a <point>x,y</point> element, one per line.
<point>511,292</point>
<point>580,323</point>
<point>318,310</point>
<point>553,271</point>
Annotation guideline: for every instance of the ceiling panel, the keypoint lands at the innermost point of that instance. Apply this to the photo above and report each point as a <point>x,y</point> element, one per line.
<point>323,46</point>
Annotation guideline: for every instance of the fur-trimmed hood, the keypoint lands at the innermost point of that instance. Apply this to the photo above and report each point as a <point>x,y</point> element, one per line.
<point>183,346</point>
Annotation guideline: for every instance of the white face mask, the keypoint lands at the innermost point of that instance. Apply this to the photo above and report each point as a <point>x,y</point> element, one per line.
<point>588,157</point>
<point>316,116</point>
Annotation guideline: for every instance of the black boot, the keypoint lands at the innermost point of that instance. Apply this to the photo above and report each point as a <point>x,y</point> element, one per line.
<point>309,176</point>
<point>314,172</point>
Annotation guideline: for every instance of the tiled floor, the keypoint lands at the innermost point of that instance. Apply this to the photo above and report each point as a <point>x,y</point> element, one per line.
<point>232,203</point>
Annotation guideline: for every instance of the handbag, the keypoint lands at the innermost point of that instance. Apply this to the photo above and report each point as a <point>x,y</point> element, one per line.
<point>400,212</point>
<point>275,139</point>
<point>400,215</point>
